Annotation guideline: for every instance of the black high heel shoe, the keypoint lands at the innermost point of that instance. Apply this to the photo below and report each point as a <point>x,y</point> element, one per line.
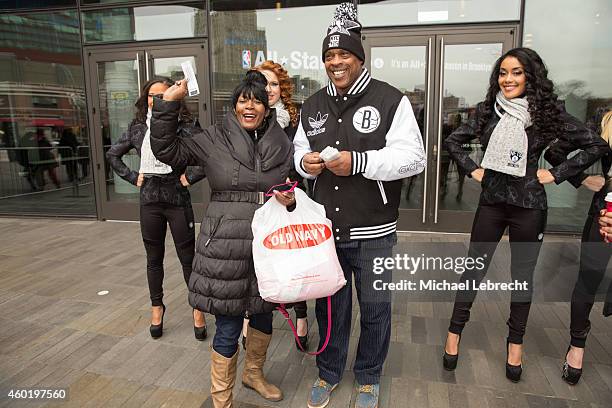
<point>449,361</point>
<point>570,374</point>
<point>200,332</point>
<point>303,340</point>
<point>157,330</point>
<point>513,372</point>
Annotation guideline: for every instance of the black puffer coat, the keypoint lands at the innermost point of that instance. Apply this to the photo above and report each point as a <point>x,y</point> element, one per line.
<point>224,282</point>
<point>163,188</point>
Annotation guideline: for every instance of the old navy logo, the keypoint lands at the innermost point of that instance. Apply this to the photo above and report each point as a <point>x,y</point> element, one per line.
<point>514,158</point>
<point>296,236</point>
<point>334,40</point>
<point>317,124</point>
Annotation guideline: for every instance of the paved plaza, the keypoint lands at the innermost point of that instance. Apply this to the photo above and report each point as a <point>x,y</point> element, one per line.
<point>57,331</point>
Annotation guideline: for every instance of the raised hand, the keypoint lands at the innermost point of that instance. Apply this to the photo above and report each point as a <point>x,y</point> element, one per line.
<point>177,91</point>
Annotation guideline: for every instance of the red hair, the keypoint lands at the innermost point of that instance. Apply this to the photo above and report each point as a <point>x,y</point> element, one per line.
<point>286,87</point>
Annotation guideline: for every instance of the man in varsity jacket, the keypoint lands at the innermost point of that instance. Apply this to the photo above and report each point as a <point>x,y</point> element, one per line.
<point>373,126</point>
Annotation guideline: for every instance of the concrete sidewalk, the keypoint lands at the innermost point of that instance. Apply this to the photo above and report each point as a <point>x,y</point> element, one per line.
<point>57,331</point>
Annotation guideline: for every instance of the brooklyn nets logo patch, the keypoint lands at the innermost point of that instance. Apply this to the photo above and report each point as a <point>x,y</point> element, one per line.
<point>366,119</point>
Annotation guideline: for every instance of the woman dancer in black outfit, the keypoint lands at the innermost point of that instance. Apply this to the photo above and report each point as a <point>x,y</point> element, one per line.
<point>164,199</point>
<point>594,253</point>
<point>519,118</point>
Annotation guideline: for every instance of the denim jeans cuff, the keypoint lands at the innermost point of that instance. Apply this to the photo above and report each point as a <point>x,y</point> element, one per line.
<point>329,377</point>
<point>367,378</point>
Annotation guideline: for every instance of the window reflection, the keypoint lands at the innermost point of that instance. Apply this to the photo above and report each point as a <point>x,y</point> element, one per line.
<point>404,67</point>
<point>376,13</point>
<point>44,151</point>
<point>144,23</point>
<point>579,65</point>
<point>242,38</point>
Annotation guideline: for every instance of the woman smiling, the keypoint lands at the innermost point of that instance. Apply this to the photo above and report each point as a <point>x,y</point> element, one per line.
<point>242,157</point>
<point>519,118</point>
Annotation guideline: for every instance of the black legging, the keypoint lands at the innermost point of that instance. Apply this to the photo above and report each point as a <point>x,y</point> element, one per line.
<point>594,257</point>
<point>154,219</point>
<point>524,225</point>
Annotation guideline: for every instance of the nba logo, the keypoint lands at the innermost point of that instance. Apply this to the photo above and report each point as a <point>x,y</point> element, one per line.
<point>246,59</point>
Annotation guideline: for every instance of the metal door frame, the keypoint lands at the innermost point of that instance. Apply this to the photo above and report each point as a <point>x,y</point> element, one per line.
<point>98,53</point>
<point>429,217</point>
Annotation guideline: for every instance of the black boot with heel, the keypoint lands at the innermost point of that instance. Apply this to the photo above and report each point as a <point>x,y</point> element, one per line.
<point>513,372</point>
<point>570,374</point>
<point>200,333</point>
<point>449,361</point>
<point>303,340</point>
<point>157,330</point>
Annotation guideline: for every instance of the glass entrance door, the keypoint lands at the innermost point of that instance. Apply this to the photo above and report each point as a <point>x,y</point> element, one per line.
<point>444,74</point>
<point>115,79</point>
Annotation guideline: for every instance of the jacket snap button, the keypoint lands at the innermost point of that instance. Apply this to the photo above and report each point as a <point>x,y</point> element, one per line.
<point>337,209</point>
<point>340,120</point>
<point>336,188</point>
<point>337,142</point>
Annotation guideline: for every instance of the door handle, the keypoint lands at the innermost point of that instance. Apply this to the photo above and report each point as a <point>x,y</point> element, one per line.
<point>440,108</point>
<point>147,64</point>
<point>138,72</point>
<point>426,124</point>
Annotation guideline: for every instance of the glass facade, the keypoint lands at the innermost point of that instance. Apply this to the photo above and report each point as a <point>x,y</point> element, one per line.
<point>144,23</point>
<point>45,157</point>
<point>44,146</point>
<point>243,38</point>
<point>380,13</point>
<point>579,65</point>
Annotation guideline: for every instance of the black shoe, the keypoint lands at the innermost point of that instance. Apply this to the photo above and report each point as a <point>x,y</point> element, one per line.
<point>157,330</point>
<point>200,332</point>
<point>570,374</point>
<point>513,373</point>
<point>303,340</point>
<point>449,361</point>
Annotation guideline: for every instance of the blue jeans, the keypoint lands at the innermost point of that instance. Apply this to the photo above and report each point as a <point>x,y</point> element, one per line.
<point>356,258</point>
<point>229,328</point>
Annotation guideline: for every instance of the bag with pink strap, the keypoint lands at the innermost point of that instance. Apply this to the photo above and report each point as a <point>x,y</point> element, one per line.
<point>295,256</point>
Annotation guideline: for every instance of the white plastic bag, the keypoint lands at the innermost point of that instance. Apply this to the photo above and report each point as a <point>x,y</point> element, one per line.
<point>294,252</point>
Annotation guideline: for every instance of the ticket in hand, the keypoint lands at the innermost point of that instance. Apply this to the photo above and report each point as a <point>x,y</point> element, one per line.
<point>192,83</point>
<point>329,154</point>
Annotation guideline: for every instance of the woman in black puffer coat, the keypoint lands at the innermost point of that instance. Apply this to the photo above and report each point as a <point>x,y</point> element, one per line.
<point>242,157</point>
<point>164,200</point>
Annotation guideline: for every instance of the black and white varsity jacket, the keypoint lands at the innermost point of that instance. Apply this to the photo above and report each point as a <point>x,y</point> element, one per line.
<point>375,122</point>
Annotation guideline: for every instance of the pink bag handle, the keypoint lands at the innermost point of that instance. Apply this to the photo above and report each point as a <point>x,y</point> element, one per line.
<point>284,312</point>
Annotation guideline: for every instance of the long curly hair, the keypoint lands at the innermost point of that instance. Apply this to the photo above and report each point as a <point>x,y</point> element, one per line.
<point>539,91</point>
<point>142,105</point>
<point>286,87</point>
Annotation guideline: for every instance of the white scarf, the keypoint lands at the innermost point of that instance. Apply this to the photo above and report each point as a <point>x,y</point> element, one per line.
<point>148,162</point>
<point>507,148</point>
<point>282,116</point>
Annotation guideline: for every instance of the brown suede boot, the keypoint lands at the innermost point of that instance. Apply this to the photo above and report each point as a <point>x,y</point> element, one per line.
<point>252,376</point>
<point>222,379</point>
